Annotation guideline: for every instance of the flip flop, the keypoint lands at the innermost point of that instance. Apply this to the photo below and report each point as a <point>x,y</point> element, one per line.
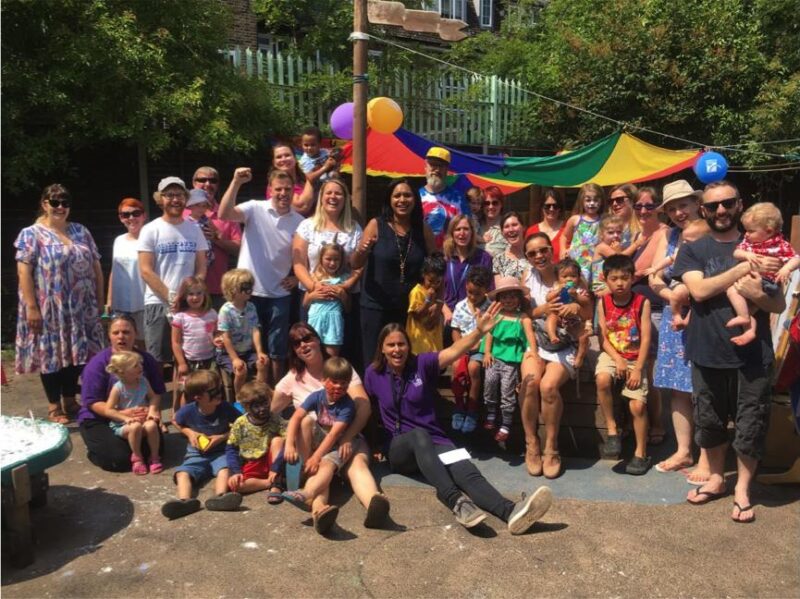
<point>677,467</point>
<point>707,497</point>
<point>697,483</point>
<point>741,509</point>
<point>297,499</point>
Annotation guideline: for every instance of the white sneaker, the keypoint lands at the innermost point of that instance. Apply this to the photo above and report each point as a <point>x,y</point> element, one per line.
<point>529,509</point>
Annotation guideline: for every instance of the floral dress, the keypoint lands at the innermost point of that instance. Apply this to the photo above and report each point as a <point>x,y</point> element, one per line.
<point>66,292</point>
<point>672,370</point>
<point>584,242</point>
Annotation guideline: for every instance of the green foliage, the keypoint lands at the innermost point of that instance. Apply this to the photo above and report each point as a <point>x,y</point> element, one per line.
<point>77,72</point>
<point>716,71</point>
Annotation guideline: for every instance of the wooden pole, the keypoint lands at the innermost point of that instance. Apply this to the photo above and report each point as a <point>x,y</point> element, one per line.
<point>360,90</point>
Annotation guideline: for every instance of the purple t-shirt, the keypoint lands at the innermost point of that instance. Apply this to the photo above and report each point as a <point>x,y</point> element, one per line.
<point>96,383</point>
<point>455,276</point>
<point>416,391</point>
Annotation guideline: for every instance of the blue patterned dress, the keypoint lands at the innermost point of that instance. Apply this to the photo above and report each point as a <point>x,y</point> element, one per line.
<point>672,370</point>
<point>66,291</point>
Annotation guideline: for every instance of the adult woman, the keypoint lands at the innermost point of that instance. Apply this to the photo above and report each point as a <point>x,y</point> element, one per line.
<point>672,370</point>
<point>304,377</point>
<point>461,253</point>
<point>493,239</point>
<point>60,288</point>
<point>125,284</point>
<point>544,374</point>
<point>104,449</point>
<point>553,221</point>
<point>651,230</point>
<point>404,387</point>
<point>283,159</point>
<point>393,248</point>
<point>511,262</point>
<point>620,203</point>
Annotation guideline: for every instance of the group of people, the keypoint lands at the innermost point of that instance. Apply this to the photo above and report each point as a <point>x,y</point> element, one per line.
<point>436,279</point>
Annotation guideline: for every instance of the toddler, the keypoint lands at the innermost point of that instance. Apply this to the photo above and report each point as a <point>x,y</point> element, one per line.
<point>205,421</point>
<point>762,225</point>
<point>503,350</point>
<point>241,331</point>
<point>327,303</point>
<point>611,230</point>
<point>465,320</point>
<point>134,410</point>
<point>198,205</point>
<point>316,162</point>
<point>570,288</point>
<point>425,324</point>
<point>254,444</point>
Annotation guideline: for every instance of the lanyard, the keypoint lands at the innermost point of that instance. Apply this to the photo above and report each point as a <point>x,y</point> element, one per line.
<point>460,280</point>
<point>397,399</point>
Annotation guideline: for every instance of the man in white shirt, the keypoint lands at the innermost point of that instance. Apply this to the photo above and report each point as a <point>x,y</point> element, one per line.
<point>266,251</point>
<point>170,249</point>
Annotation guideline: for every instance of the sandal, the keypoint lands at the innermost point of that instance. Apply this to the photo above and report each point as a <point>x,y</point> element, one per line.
<point>502,435</point>
<point>57,415</point>
<point>70,406</point>
<point>552,467</point>
<point>156,466</point>
<point>297,499</point>
<point>274,496</point>
<point>137,465</point>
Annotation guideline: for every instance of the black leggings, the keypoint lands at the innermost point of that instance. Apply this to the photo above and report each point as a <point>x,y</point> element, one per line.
<point>62,383</point>
<point>415,452</point>
<point>107,451</point>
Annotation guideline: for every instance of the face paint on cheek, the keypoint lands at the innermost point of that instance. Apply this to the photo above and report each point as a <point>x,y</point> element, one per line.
<point>334,390</point>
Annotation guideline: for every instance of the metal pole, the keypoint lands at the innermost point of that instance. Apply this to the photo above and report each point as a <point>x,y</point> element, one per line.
<point>360,90</point>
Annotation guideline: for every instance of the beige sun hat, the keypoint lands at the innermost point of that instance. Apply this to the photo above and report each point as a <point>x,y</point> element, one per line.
<point>508,284</point>
<point>677,190</point>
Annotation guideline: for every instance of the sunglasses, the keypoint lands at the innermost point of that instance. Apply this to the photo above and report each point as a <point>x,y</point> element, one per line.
<point>307,338</point>
<point>492,203</point>
<point>549,207</point>
<point>539,252</point>
<point>207,180</point>
<point>618,200</point>
<point>59,203</point>
<point>246,288</point>
<point>647,207</point>
<point>215,393</point>
<point>713,206</point>
<point>132,214</point>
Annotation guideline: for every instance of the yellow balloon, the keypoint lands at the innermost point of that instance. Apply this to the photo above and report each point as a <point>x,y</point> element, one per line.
<point>384,115</point>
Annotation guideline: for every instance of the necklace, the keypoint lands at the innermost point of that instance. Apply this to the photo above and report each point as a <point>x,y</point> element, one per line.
<point>403,257</point>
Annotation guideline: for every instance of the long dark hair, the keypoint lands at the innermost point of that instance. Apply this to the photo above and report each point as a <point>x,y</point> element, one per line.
<point>298,175</point>
<point>387,214</point>
<point>379,360</point>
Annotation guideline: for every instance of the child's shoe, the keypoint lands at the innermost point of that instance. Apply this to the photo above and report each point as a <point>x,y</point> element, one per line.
<point>457,423</point>
<point>325,518</point>
<point>297,499</point>
<point>470,422</point>
<point>377,512</point>
<point>502,435</point>
<point>137,465</point>
<point>612,447</point>
<point>178,508</point>
<point>638,466</point>
<point>467,513</point>
<point>488,425</point>
<point>224,502</point>
<point>156,466</point>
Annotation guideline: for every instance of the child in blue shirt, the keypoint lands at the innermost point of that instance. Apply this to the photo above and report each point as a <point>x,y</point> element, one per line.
<point>205,421</point>
<point>316,162</point>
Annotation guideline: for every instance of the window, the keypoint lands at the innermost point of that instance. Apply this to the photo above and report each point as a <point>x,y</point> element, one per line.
<point>486,13</point>
<point>453,9</point>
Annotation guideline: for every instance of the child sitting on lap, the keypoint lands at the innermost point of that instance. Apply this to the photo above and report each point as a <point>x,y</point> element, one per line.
<point>205,421</point>
<point>335,411</point>
<point>570,288</point>
<point>254,443</point>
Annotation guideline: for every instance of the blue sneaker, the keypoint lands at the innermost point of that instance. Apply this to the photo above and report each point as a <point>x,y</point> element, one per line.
<point>458,420</point>
<point>470,422</point>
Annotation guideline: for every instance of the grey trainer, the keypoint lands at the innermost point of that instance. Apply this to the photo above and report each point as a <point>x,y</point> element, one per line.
<point>528,510</point>
<point>467,513</point>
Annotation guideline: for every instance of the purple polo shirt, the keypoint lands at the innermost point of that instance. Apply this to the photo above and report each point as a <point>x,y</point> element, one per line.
<point>96,383</point>
<point>417,392</point>
<point>455,276</point>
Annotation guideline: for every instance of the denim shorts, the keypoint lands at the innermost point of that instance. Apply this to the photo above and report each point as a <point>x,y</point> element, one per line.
<point>273,314</point>
<point>248,357</point>
<point>201,467</point>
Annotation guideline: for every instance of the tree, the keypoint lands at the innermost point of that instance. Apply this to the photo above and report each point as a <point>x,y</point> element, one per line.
<point>78,72</point>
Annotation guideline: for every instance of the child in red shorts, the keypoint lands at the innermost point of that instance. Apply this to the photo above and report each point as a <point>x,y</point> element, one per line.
<point>254,441</point>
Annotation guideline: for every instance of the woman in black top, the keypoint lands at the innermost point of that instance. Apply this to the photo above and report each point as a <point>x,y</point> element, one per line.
<point>393,248</point>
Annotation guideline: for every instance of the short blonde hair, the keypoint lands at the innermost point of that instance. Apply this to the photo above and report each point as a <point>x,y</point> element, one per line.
<point>122,361</point>
<point>337,369</point>
<point>233,280</point>
<point>609,220</point>
<point>765,215</point>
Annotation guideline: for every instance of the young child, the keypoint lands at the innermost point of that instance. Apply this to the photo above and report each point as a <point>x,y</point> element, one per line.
<point>624,318</point>
<point>475,198</point>
<point>762,225</point>
<point>194,323</point>
<point>335,410</point>
<point>314,157</point>
<point>465,320</point>
<point>679,299</point>
<point>254,444</point>
<point>133,391</point>
<point>241,331</point>
<point>326,313</point>
<point>197,205</point>
<point>425,325</point>
<point>503,350</point>
<point>205,421</point>
<point>580,230</point>
<point>611,230</point>
<point>570,288</point>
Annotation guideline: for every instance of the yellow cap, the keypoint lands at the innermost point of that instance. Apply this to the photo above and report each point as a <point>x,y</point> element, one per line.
<point>440,153</point>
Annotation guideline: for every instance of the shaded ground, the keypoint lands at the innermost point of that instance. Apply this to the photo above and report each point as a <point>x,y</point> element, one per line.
<point>102,535</point>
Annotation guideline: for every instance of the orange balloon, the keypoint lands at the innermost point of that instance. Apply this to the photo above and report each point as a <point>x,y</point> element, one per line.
<point>384,115</point>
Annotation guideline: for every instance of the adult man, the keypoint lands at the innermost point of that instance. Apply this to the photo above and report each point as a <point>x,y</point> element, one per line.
<point>267,252</point>
<point>728,381</point>
<point>170,249</point>
<point>440,203</point>
<point>224,237</point>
